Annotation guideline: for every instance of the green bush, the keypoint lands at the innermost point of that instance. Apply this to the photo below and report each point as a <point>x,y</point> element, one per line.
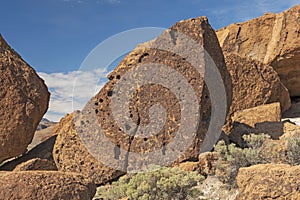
<point>232,157</point>
<point>164,183</point>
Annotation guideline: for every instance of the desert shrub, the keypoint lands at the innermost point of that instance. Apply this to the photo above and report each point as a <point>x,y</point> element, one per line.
<point>293,151</point>
<point>164,183</point>
<point>232,157</point>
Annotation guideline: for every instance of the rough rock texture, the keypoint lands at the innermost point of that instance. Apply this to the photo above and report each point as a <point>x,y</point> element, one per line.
<point>43,132</point>
<point>281,146</point>
<point>41,151</point>
<point>23,101</point>
<point>261,119</point>
<point>45,185</point>
<point>126,137</point>
<point>36,164</point>
<point>70,154</point>
<point>253,84</point>
<point>208,162</point>
<point>271,39</point>
<point>269,181</point>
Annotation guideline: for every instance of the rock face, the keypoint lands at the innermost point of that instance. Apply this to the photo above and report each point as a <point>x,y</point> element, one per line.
<point>253,84</point>
<point>36,164</point>
<point>45,185</point>
<point>167,50</point>
<point>42,151</point>
<point>23,101</point>
<point>272,39</point>
<point>70,154</point>
<point>261,119</point>
<point>269,181</point>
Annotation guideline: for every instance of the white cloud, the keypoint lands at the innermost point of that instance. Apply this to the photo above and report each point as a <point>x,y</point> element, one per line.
<point>71,91</point>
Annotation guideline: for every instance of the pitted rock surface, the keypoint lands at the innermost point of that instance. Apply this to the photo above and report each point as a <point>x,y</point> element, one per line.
<point>24,100</point>
<point>272,39</point>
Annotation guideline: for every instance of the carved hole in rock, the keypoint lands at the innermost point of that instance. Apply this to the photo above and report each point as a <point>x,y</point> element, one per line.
<point>118,77</point>
<point>142,57</point>
<point>96,111</point>
<point>100,100</point>
<point>96,104</point>
<point>109,93</point>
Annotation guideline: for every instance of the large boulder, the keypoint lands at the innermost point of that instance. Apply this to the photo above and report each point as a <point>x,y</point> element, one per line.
<point>269,181</point>
<point>272,39</point>
<point>174,52</point>
<point>261,119</point>
<point>71,155</point>
<point>45,185</point>
<point>36,164</point>
<point>253,84</point>
<point>24,100</point>
<point>43,151</point>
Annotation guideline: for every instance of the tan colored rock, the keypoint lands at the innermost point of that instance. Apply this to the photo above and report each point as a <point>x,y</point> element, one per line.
<point>41,151</point>
<point>24,100</point>
<point>70,154</point>
<point>189,166</point>
<point>271,39</point>
<point>253,116</point>
<point>45,185</point>
<point>261,119</point>
<point>269,181</point>
<point>43,132</point>
<point>253,84</point>
<point>208,162</point>
<point>36,164</point>
<point>127,137</point>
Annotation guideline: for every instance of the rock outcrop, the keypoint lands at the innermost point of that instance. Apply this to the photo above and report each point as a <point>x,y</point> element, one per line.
<point>269,181</point>
<point>45,185</point>
<point>70,154</point>
<point>41,151</point>
<point>253,84</point>
<point>173,52</point>
<point>261,119</point>
<point>24,100</point>
<point>36,164</point>
<point>272,39</point>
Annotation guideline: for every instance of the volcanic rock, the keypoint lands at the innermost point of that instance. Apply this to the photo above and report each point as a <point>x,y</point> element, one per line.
<point>36,164</point>
<point>261,119</point>
<point>24,100</point>
<point>273,39</point>
<point>71,155</point>
<point>45,185</point>
<point>42,151</point>
<point>269,181</point>
<point>253,84</point>
<point>145,77</point>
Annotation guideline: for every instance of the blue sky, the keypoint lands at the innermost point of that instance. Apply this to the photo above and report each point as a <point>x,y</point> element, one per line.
<point>55,36</point>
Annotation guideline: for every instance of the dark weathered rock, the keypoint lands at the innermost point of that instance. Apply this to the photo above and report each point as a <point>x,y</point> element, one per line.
<point>129,136</point>
<point>45,185</point>
<point>253,84</point>
<point>272,39</point>
<point>269,181</point>
<point>24,100</point>
<point>70,154</point>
